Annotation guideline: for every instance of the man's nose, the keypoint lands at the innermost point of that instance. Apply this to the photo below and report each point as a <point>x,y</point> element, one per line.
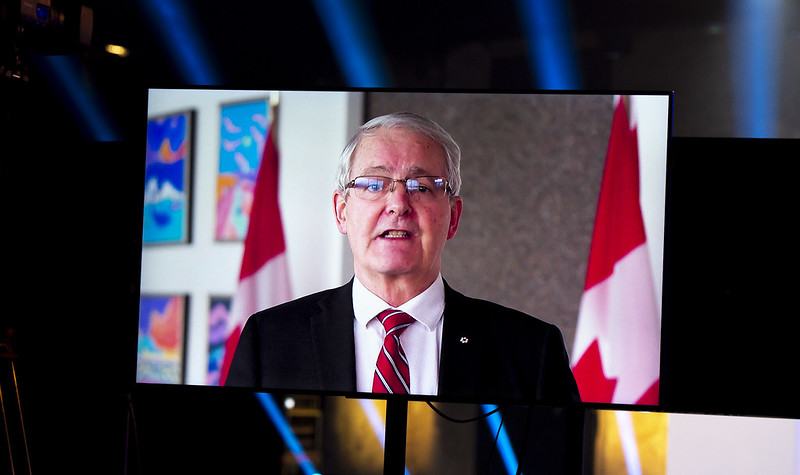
<point>398,200</point>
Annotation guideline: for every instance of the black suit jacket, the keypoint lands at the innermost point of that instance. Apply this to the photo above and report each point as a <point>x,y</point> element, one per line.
<point>489,352</point>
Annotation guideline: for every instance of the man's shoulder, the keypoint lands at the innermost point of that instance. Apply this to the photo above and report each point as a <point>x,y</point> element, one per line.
<point>480,309</point>
<point>310,303</point>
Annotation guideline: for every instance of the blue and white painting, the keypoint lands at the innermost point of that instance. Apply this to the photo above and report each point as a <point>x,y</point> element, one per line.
<point>166,190</point>
<point>243,133</point>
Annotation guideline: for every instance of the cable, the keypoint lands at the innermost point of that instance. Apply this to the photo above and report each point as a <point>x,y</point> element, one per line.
<point>484,416</point>
<point>131,421</point>
<point>463,421</point>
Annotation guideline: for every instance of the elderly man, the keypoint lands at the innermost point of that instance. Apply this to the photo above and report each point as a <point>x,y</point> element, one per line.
<point>397,327</point>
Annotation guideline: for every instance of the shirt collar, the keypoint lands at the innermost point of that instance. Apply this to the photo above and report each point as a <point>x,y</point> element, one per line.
<point>426,308</point>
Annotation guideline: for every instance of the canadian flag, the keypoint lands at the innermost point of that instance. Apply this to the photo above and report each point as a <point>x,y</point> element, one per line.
<point>617,341</point>
<point>264,275</point>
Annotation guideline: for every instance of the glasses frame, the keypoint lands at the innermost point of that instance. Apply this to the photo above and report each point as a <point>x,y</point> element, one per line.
<point>448,190</point>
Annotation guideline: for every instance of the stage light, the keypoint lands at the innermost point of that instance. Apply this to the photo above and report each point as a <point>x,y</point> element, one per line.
<point>117,50</point>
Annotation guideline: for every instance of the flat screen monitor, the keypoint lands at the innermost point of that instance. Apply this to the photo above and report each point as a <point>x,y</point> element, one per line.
<point>562,203</point>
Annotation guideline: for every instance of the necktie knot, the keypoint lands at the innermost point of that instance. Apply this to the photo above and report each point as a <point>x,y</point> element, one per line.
<point>391,369</point>
<point>395,321</point>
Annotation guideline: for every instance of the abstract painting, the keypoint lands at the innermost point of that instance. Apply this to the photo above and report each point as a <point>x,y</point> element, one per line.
<point>218,313</point>
<point>162,339</point>
<point>167,183</point>
<point>243,132</point>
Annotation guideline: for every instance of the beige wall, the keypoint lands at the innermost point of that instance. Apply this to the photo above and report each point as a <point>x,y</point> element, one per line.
<point>531,168</point>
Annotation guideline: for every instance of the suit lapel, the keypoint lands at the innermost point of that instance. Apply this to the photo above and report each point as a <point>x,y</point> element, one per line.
<point>334,344</point>
<point>333,341</point>
<point>462,347</point>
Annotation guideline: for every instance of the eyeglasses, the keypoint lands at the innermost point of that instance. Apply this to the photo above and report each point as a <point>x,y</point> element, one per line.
<point>419,188</point>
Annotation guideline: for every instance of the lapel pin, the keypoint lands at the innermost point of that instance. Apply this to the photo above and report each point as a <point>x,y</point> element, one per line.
<point>464,339</point>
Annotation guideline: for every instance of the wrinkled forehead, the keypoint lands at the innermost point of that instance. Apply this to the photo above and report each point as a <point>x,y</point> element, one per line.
<point>397,151</point>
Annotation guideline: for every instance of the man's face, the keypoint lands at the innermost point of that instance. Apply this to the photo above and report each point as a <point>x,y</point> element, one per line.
<point>396,237</point>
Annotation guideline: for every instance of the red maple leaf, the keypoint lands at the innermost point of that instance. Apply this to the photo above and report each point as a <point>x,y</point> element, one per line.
<point>592,382</point>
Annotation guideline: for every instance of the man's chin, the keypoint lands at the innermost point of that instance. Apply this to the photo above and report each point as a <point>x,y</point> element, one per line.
<point>394,270</point>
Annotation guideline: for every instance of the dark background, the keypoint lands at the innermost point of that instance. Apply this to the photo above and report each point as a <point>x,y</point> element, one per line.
<point>73,202</point>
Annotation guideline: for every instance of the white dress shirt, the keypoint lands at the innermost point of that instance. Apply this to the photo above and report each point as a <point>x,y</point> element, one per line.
<point>421,341</point>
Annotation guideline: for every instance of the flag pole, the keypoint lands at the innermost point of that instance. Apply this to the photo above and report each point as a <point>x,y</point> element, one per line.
<point>274,102</point>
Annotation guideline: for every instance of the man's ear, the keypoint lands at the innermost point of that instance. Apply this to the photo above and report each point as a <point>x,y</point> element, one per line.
<point>339,210</point>
<point>455,216</point>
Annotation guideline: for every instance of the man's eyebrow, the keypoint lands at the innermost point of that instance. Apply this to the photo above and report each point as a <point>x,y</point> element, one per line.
<point>412,172</point>
<point>379,168</point>
<point>417,171</point>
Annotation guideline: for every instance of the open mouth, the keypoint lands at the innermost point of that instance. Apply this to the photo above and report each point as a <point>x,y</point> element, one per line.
<point>393,234</point>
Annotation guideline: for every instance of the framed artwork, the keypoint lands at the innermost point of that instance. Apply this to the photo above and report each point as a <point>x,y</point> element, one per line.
<point>167,186</point>
<point>162,339</point>
<point>219,310</point>
<point>243,133</point>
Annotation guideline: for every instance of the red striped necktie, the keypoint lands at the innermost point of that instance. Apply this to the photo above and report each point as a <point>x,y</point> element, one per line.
<point>391,369</point>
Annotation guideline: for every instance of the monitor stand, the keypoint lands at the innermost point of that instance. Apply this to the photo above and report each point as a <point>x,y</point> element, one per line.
<point>394,456</point>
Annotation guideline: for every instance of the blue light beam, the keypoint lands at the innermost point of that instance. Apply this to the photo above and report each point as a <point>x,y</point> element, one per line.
<point>548,33</point>
<point>755,53</point>
<point>274,413</point>
<point>503,442</point>
<point>353,42</point>
<point>173,22</point>
<point>70,81</point>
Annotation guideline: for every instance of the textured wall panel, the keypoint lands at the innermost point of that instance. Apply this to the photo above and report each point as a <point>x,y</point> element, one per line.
<point>531,170</point>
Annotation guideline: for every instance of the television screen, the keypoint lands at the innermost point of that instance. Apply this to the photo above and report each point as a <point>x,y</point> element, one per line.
<point>547,244</point>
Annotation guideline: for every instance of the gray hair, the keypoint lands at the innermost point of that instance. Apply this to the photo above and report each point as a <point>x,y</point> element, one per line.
<point>414,123</point>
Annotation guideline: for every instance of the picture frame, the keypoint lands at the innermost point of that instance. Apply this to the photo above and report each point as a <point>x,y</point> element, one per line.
<point>243,133</point>
<point>219,309</point>
<point>161,349</point>
<point>168,183</point>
